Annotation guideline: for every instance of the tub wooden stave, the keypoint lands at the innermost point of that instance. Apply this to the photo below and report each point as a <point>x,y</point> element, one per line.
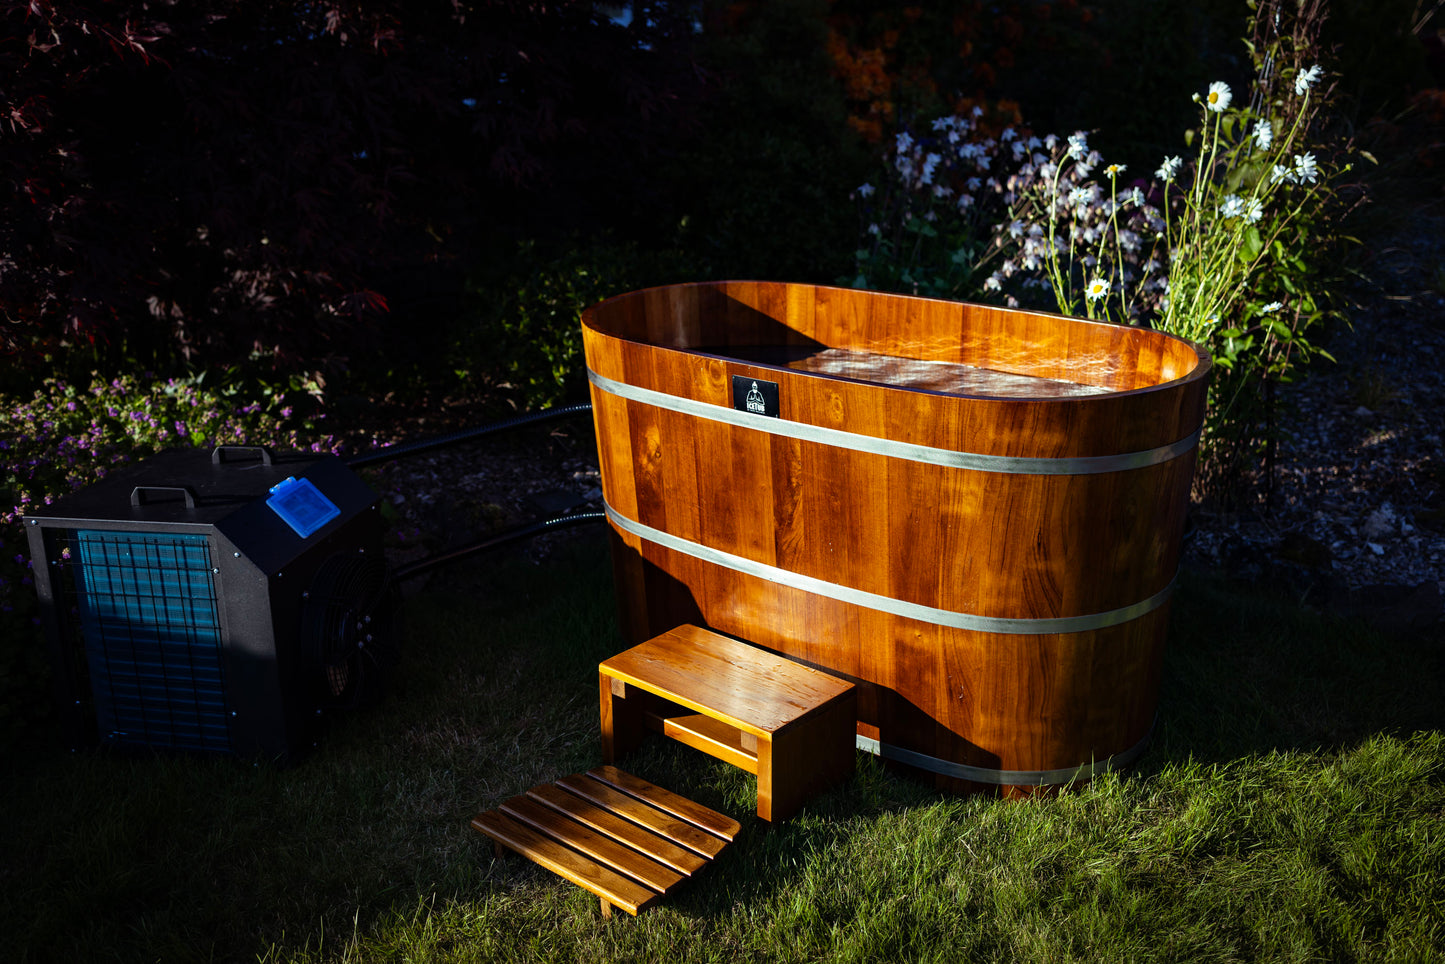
<point>735,525</point>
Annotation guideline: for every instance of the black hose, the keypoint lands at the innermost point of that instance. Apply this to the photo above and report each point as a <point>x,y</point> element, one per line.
<point>466,434</point>
<point>492,542</point>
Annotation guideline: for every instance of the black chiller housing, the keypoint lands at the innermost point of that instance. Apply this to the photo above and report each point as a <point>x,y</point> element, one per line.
<point>213,601</point>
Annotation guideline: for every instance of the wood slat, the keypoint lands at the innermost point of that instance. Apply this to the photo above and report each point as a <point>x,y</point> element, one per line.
<point>665,851</point>
<point>589,843</point>
<point>745,687</point>
<point>713,737</point>
<point>676,830</point>
<point>545,852</point>
<point>679,806</point>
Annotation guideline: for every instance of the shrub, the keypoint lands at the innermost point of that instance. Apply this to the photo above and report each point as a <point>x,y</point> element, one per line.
<point>1234,248</point>
<point>755,194</point>
<point>214,179</point>
<point>528,327</point>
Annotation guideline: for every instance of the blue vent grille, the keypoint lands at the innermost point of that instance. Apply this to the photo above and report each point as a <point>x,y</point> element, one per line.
<point>152,638</point>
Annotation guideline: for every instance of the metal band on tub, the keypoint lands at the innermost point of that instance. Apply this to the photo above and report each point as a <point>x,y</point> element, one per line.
<point>887,604</point>
<point>1004,778</point>
<point>977,461</point>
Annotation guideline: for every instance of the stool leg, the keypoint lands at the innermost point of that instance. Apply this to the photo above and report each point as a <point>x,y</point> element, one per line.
<point>622,726</point>
<point>767,788</point>
<point>806,758</point>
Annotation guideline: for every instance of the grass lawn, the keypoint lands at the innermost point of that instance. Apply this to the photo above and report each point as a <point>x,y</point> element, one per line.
<point>1292,807</point>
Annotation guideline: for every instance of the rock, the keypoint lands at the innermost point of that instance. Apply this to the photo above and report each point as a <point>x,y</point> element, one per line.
<point>1379,523</point>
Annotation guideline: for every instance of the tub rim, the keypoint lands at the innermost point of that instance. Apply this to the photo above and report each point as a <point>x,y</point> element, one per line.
<point>1203,358</point>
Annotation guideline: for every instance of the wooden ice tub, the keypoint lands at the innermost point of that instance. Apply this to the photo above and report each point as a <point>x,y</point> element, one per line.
<point>973,513</point>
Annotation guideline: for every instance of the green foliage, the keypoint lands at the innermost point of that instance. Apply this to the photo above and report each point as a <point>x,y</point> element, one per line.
<point>1236,247</point>
<point>529,331</point>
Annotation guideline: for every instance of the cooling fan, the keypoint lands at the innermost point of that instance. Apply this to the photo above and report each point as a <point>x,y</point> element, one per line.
<point>346,619</point>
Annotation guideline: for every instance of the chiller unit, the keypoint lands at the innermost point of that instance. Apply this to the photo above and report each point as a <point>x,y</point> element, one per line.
<point>214,601</point>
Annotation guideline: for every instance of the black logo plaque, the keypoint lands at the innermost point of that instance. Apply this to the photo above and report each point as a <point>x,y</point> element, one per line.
<point>756,396</point>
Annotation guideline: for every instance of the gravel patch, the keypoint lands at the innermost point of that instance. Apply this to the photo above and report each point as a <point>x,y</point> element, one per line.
<point>1356,515</point>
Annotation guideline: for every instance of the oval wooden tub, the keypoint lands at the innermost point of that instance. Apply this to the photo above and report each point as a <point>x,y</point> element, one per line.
<point>973,513</point>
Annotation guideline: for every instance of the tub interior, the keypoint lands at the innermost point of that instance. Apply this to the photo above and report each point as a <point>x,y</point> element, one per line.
<point>900,341</point>
<point>896,371</point>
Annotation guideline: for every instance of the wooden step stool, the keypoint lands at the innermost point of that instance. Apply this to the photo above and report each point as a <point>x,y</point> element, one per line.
<point>792,725</point>
<point>622,838</point>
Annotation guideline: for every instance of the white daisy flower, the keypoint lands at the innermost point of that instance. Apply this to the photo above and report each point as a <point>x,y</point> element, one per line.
<point>1137,197</point>
<point>1232,207</point>
<point>1305,168</point>
<point>1078,144</point>
<point>1253,210</point>
<point>1263,135</point>
<point>1271,308</point>
<point>1306,79</point>
<point>1169,170</point>
<point>1080,196</point>
<point>1096,289</point>
<point>1282,174</point>
<point>1114,170</point>
<point>1218,97</point>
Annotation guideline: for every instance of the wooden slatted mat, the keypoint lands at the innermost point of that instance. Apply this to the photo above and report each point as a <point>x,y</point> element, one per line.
<point>622,838</point>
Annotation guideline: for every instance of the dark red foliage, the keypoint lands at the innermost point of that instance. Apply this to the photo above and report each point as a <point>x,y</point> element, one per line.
<point>233,177</point>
